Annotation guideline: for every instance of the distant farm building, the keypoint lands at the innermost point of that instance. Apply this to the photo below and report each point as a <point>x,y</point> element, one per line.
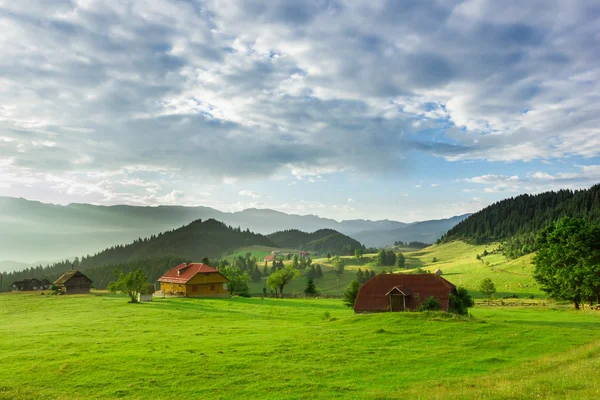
<point>402,292</point>
<point>194,280</point>
<point>31,284</point>
<point>438,272</point>
<point>269,258</point>
<point>74,282</point>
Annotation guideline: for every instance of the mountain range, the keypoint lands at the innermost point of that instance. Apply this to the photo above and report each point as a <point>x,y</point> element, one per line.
<point>31,230</point>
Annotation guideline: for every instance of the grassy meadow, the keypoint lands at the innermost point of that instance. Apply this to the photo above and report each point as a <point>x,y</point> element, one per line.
<point>457,260</point>
<point>99,347</point>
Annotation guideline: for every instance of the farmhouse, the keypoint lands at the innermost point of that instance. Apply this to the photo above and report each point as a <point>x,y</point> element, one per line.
<point>402,292</point>
<point>269,258</point>
<point>30,284</point>
<point>74,282</point>
<point>194,280</point>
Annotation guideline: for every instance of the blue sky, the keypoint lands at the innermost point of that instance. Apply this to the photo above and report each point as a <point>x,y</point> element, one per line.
<point>405,110</point>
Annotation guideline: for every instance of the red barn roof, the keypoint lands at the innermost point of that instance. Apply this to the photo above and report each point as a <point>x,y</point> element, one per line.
<point>269,258</point>
<point>373,295</point>
<point>184,272</point>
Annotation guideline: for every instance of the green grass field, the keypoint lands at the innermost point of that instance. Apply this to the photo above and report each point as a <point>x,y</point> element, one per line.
<point>457,260</point>
<point>99,346</point>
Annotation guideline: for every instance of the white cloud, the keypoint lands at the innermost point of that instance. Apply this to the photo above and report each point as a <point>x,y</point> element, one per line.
<point>249,193</point>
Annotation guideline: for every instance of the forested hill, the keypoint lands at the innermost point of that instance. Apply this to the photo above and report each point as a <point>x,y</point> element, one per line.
<point>193,242</point>
<point>517,220</point>
<point>323,240</point>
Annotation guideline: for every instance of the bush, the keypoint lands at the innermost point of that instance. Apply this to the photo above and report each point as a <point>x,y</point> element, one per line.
<point>431,304</point>
<point>350,293</point>
<point>461,301</point>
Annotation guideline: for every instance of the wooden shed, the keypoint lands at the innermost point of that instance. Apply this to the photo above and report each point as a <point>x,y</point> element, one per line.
<point>194,280</point>
<point>402,292</point>
<point>74,282</point>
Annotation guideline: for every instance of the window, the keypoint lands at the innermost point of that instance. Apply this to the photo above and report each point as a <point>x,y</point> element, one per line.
<point>212,287</point>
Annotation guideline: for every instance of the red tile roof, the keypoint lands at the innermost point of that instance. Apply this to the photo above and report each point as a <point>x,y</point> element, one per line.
<point>184,272</point>
<point>269,258</point>
<point>372,296</point>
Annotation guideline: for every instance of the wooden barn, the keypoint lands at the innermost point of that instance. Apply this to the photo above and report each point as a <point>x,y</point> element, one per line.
<point>402,292</point>
<point>194,280</point>
<point>74,282</point>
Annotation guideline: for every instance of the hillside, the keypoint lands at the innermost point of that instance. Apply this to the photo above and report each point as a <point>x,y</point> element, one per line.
<point>195,241</point>
<point>32,231</point>
<point>517,220</point>
<point>323,240</point>
<point>425,231</point>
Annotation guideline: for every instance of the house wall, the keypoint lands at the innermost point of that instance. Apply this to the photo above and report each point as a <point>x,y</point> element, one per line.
<point>172,288</point>
<point>207,285</point>
<point>78,285</point>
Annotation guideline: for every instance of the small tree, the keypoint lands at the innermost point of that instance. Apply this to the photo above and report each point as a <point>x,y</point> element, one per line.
<point>318,271</point>
<point>400,261</point>
<point>488,288</point>
<point>381,258</point>
<point>130,284</point>
<point>282,277</point>
<point>349,295</point>
<point>358,254</point>
<point>338,267</point>
<point>360,277</point>
<point>310,289</point>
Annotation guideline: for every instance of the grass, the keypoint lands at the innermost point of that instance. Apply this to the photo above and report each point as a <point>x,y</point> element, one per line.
<point>98,347</point>
<point>457,260</point>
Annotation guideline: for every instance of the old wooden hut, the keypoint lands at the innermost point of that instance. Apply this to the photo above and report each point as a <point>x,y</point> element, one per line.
<point>30,284</point>
<point>74,282</point>
<point>194,280</point>
<point>402,292</point>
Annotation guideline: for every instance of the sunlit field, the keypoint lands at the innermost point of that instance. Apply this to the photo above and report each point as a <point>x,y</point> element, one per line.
<point>99,346</point>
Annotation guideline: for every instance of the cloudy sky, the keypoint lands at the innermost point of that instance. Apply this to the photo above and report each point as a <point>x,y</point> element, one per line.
<point>405,110</point>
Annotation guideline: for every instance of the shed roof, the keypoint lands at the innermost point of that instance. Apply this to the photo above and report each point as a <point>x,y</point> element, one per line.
<point>186,271</point>
<point>68,275</point>
<point>269,257</point>
<point>372,296</point>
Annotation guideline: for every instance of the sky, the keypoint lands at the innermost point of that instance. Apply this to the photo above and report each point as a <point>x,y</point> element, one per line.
<point>405,110</point>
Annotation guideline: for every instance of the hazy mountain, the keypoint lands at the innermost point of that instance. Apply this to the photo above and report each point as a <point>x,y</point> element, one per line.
<point>425,231</point>
<point>31,230</point>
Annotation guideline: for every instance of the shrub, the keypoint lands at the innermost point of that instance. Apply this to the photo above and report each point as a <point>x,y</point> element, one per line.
<point>461,301</point>
<point>431,304</point>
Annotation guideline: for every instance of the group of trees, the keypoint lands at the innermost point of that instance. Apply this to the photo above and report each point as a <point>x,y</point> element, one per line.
<point>362,277</point>
<point>390,259</point>
<point>516,221</point>
<point>323,240</point>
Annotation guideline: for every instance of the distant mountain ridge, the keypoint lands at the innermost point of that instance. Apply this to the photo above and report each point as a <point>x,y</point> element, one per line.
<point>425,231</point>
<point>32,230</point>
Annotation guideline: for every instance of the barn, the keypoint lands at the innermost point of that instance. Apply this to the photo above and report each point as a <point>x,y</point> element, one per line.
<point>402,292</point>
<point>74,282</point>
<point>30,284</point>
<point>194,280</point>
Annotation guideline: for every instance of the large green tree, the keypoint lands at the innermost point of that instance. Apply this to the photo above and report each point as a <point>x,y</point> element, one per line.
<point>488,288</point>
<point>567,263</point>
<point>278,279</point>
<point>238,280</point>
<point>130,284</point>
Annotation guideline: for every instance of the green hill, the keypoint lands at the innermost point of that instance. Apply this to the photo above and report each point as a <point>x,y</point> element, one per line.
<point>321,241</point>
<point>516,221</point>
<point>194,242</point>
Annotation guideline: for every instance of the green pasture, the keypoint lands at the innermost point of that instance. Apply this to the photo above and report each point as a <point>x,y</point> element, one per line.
<point>101,347</point>
<point>457,260</point>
